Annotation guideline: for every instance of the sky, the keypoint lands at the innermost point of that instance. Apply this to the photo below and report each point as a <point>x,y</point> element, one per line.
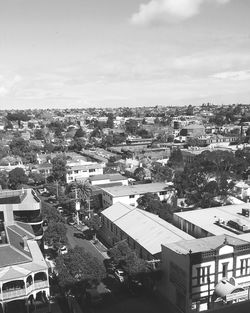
<point>112,53</point>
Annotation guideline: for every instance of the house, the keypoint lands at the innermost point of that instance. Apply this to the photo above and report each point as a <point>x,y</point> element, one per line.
<point>143,231</point>
<point>78,171</point>
<point>206,274</point>
<point>23,270</point>
<point>130,194</point>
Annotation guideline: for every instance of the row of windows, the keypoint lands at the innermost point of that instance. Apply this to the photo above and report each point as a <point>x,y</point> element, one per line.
<point>81,171</point>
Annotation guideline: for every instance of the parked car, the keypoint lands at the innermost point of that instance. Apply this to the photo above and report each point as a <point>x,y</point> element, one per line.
<point>63,250</point>
<point>120,275</point>
<point>79,235</point>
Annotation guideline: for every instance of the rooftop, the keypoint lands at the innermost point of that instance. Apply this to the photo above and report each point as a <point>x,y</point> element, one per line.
<point>111,177</point>
<point>150,232</point>
<point>122,191</point>
<point>205,244</point>
<point>206,218</point>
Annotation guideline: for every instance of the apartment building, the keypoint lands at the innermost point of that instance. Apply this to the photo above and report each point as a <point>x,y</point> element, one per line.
<point>206,274</point>
<point>130,194</point>
<point>78,171</point>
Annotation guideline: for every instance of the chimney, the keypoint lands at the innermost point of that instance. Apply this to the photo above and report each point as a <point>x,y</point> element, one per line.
<point>25,244</point>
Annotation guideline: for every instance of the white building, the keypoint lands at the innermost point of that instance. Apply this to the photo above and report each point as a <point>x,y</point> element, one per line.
<point>130,194</point>
<point>207,273</point>
<point>82,170</point>
<point>108,179</point>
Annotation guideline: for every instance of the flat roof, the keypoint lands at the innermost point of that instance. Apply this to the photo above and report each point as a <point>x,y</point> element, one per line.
<point>205,218</point>
<point>205,244</point>
<point>122,191</point>
<point>149,230</point>
<point>111,177</point>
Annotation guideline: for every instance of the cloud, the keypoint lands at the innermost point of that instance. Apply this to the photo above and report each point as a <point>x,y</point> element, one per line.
<point>7,84</point>
<point>233,75</point>
<point>169,11</point>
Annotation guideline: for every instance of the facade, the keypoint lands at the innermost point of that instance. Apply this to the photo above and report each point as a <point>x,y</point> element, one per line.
<point>22,206</point>
<point>130,194</point>
<point>206,274</point>
<point>23,270</point>
<point>143,231</point>
<point>83,170</point>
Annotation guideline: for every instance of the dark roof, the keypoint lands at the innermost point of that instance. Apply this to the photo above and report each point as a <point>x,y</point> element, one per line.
<point>9,256</point>
<point>15,237</point>
<point>26,227</point>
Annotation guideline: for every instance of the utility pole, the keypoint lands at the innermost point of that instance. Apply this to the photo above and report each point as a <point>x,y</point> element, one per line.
<point>77,207</point>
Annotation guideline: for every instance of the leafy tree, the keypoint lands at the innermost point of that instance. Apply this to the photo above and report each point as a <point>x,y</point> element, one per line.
<point>131,126</point>
<point>3,180</point>
<point>37,177</point>
<point>123,255</point>
<point>139,173</point>
<point>176,159</point>
<point>17,177</point>
<point>39,134</point>
<point>84,192</point>
<point>161,173</point>
<point>50,214</point>
<point>56,234</point>
<point>78,266</point>
<point>59,169</point>
<point>110,121</point>
<point>19,146</point>
<point>80,133</point>
<point>150,202</point>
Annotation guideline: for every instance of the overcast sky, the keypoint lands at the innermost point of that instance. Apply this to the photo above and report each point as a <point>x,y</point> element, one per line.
<point>82,53</point>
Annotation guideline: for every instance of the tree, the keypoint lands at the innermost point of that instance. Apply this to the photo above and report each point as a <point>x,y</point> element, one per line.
<point>19,146</point>
<point>79,133</point>
<point>55,234</point>
<point>131,126</point>
<point>150,202</point>
<point>17,177</point>
<point>139,173</point>
<point>3,180</point>
<point>59,169</point>
<point>37,177</point>
<point>110,121</point>
<point>78,266</point>
<point>125,257</point>
<point>39,134</point>
<point>176,159</point>
<point>161,173</point>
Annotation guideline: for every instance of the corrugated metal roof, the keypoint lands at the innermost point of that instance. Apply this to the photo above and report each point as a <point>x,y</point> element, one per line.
<point>149,230</point>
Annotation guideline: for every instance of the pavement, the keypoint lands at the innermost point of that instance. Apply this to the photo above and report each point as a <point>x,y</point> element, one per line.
<point>96,250</point>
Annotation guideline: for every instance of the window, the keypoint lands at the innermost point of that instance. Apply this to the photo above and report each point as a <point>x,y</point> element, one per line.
<point>245,266</point>
<point>76,172</point>
<point>91,170</point>
<point>203,275</point>
<point>131,196</point>
<point>224,269</point>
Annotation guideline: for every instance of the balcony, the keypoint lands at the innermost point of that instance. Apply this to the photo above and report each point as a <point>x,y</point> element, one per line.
<point>29,220</point>
<point>11,294</point>
<point>41,284</point>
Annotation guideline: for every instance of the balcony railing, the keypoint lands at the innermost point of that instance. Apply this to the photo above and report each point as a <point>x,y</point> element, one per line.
<point>41,284</point>
<point>13,294</point>
<point>35,219</point>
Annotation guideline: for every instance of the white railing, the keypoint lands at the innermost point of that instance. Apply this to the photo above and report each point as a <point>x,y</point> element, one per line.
<point>41,284</point>
<point>13,294</point>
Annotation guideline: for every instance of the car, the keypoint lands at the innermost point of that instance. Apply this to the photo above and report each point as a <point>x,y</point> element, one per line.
<point>59,209</point>
<point>120,275</point>
<point>79,235</point>
<point>71,221</point>
<point>63,250</point>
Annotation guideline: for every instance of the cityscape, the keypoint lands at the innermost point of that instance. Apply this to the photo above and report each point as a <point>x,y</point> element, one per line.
<point>124,156</point>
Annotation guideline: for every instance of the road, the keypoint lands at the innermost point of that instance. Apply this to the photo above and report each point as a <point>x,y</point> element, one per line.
<point>86,244</point>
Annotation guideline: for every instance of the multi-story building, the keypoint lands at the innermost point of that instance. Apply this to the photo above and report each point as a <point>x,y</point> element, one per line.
<point>143,231</point>
<point>83,170</point>
<point>130,194</point>
<point>23,206</point>
<point>206,274</point>
<point>23,270</point>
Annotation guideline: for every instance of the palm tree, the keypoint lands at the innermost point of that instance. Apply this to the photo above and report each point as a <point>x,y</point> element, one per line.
<point>83,193</point>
